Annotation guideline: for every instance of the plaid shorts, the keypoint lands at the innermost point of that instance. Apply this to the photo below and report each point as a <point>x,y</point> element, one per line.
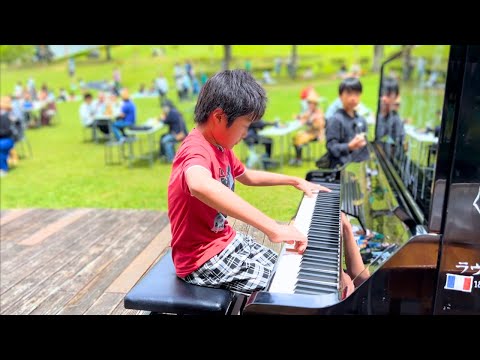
<point>243,266</point>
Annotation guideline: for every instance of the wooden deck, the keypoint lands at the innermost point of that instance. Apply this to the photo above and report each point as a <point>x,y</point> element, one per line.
<point>81,261</point>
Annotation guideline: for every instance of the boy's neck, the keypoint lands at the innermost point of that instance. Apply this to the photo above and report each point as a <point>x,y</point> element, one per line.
<point>208,135</point>
<point>350,112</point>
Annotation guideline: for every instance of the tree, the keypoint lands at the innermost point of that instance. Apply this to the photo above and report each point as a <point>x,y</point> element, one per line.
<point>228,56</point>
<point>378,53</point>
<point>292,66</point>
<point>108,52</point>
<point>407,61</point>
<point>11,53</point>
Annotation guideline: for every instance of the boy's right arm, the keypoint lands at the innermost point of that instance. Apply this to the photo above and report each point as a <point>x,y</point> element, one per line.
<point>218,196</point>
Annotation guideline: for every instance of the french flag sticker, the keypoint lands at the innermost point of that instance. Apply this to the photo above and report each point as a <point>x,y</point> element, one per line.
<point>459,282</point>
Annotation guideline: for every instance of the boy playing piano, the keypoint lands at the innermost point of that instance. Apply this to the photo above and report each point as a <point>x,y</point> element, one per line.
<point>206,250</point>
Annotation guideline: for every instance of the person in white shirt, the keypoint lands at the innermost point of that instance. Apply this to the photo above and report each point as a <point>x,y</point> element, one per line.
<point>18,90</point>
<point>87,111</point>
<point>161,84</point>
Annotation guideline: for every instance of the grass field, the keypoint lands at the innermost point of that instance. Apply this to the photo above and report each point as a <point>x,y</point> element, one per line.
<point>66,172</point>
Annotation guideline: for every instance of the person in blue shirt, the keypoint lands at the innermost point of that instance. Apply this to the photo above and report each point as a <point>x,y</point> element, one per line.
<point>126,118</point>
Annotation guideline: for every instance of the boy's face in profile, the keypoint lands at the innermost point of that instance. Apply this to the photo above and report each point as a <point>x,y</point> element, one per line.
<point>350,99</point>
<point>229,137</point>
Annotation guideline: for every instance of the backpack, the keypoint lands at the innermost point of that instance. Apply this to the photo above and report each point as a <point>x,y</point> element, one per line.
<point>324,162</point>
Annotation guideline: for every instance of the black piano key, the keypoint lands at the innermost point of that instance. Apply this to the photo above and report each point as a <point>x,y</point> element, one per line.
<point>319,277</point>
<point>320,253</point>
<point>323,247</point>
<point>324,266</point>
<point>327,230</point>
<point>302,284</point>
<point>323,242</point>
<point>306,291</point>
<point>328,259</point>
<point>315,235</point>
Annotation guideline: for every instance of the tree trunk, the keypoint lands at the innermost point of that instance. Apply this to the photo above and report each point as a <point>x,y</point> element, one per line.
<point>407,61</point>
<point>228,57</point>
<point>292,67</point>
<point>109,54</point>
<point>378,51</point>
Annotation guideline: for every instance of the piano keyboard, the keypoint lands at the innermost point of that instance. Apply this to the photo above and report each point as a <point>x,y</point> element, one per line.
<point>317,270</point>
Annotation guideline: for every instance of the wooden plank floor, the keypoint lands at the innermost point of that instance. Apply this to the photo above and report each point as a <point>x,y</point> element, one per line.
<point>81,261</point>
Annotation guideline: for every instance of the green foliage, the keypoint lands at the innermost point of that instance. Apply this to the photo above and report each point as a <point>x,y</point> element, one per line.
<point>11,53</point>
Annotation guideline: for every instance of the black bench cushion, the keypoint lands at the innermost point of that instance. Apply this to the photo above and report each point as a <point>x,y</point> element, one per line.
<point>160,290</point>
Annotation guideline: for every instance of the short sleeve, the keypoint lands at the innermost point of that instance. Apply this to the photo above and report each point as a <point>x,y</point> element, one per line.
<point>196,156</point>
<point>237,166</point>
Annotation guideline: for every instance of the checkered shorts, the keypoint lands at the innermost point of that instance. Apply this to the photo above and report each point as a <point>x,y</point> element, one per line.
<point>243,266</point>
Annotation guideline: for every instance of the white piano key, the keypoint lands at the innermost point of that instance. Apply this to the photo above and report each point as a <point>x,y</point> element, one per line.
<point>304,214</point>
<point>286,273</point>
<point>289,262</point>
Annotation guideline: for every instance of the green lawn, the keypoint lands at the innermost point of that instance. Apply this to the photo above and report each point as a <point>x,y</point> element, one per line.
<point>66,172</point>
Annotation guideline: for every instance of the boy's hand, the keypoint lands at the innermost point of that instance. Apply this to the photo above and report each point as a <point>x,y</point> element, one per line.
<point>289,234</point>
<point>309,188</point>
<point>357,142</point>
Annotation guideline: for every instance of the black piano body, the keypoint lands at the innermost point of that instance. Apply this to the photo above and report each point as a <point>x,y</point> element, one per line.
<point>423,195</point>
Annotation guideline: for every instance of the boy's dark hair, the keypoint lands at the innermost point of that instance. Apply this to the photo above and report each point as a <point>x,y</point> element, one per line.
<point>87,96</point>
<point>236,92</point>
<point>389,86</point>
<point>350,84</point>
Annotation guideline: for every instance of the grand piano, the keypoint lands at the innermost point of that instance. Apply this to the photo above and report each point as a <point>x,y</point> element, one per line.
<point>420,196</point>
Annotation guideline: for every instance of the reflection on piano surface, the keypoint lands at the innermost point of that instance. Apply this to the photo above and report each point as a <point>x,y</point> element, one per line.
<point>418,196</point>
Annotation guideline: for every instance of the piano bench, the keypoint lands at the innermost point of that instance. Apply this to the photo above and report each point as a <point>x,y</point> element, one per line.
<point>161,291</point>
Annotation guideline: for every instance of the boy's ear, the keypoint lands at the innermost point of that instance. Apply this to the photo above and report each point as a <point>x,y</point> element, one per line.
<point>218,114</point>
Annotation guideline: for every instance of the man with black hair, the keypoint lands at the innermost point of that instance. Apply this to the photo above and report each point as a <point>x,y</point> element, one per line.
<point>177,130</point>
<point>253,137</point>
<point>346,130</point>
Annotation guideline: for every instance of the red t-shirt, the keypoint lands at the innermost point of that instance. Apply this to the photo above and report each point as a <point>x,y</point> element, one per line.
<point>199,232</point>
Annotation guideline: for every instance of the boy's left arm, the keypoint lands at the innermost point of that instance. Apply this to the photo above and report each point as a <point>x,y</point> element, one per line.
<point>265,178</point>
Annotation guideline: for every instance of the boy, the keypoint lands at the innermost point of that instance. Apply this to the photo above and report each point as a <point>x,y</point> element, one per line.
<point>389,122</point>
<point>346,139</point>
<point>206,250</point>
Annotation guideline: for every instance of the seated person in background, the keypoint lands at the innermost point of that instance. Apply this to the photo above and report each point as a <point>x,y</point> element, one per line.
<point>308,74</point>
<point>7,136</point>
<point>253,138</point>
<point>313,118</point>
<point>267,79</point>
<point>303,97</point>
<point>62,95</point>
<point>342,72</point>
<point>389,123</point>
<point>113,107</point>
<point>346,130</point>
<point>101,107</point>
<point>126,117</point>
<point>87,110</point>
<point>176,133</point>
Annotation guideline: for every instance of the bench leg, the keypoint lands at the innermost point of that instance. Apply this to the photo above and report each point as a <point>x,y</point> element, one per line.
<point>237,304</point>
